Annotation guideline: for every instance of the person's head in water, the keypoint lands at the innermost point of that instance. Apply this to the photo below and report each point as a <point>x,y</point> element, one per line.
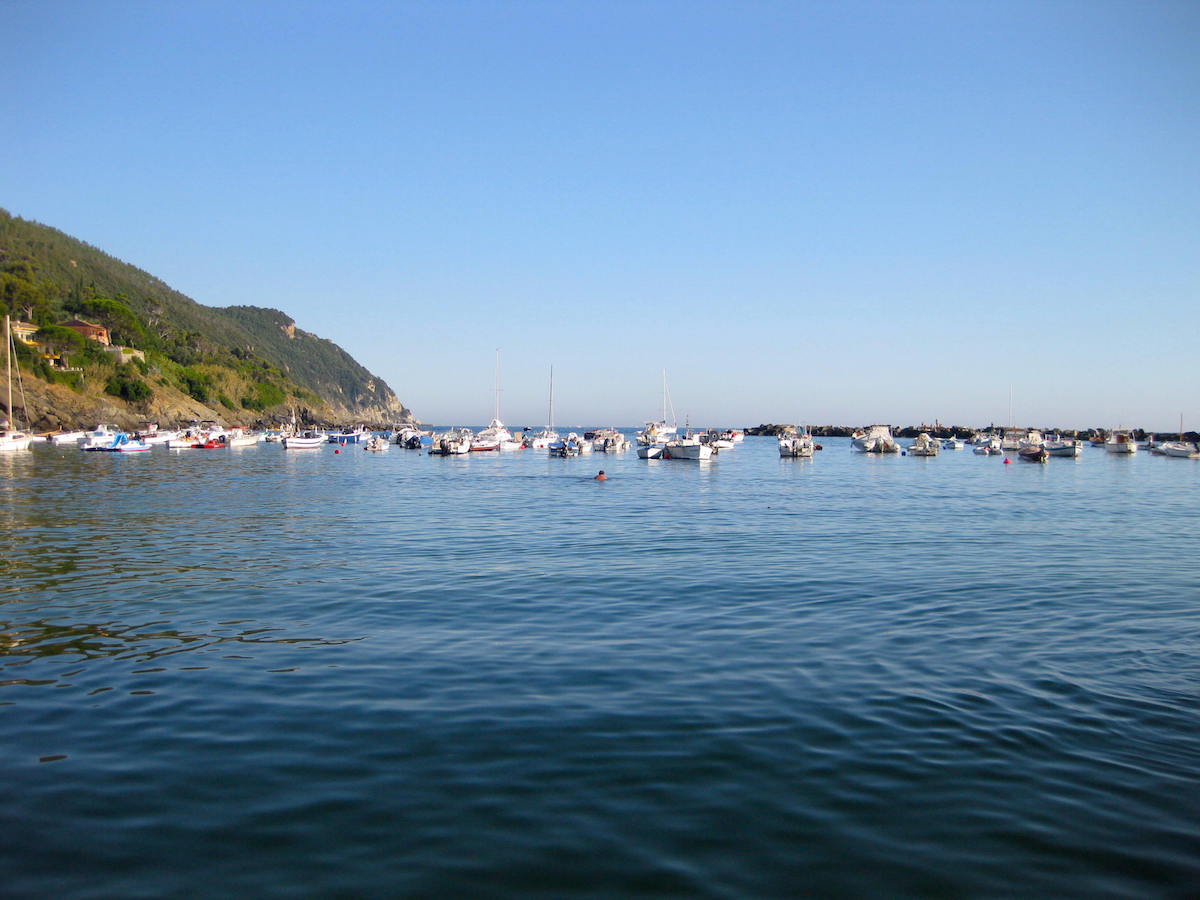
<point>602,476</point>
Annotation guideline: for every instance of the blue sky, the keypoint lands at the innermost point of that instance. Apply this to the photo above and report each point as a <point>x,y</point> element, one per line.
<point>818,212</point>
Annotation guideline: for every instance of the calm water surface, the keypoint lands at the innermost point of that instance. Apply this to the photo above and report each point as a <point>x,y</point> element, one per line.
<point>287,673</point>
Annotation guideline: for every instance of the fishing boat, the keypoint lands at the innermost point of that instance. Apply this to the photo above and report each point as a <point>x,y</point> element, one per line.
<point>875,439</point>
<point>1121,441</point>
<point>376,444</point>
<point>952,443</point>
<point>650,451</point>
<point>988,447</point>
<point>796,444</point>
<point>924,445</point>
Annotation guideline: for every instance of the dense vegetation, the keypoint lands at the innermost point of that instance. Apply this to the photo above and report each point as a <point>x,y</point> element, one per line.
<point>241,359</point>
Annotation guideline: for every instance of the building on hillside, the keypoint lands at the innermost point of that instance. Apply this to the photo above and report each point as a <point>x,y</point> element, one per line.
<point>97,333</point>
<point>23,331</point>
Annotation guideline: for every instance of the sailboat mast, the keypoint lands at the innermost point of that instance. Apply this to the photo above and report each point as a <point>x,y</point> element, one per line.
<point>497,384</point>
<point>8,364</point>
<point>550,412</point>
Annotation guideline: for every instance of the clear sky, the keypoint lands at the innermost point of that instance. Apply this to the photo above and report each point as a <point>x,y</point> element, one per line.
<point>819,212</point>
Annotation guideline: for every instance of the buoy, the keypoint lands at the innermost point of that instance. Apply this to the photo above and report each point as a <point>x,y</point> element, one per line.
<point>1007,460</point>
<point>339,451</point>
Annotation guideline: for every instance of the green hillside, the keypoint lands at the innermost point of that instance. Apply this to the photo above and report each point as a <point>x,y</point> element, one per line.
<point>241,362</point>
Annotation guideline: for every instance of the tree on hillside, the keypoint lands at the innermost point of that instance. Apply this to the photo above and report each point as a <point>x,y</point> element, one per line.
<point>60,341</point>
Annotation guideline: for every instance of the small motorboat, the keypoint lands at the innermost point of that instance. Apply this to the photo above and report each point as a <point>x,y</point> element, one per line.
<point>118,443</point>
<point>1034,453</point>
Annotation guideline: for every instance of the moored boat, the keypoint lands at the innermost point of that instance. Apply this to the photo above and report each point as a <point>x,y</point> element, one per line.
<point>308,439</point>
<point>118,443</point>
<point>796,444</point>
<point>875,439</point>
<point>924,445</point>
<point>11,439</point>
<point>455,442</point>
<point>1179,450</point>
<point>1121,441</point>
<point>687,446</point>
<point>1033,453</point>
<point>1060,446</point>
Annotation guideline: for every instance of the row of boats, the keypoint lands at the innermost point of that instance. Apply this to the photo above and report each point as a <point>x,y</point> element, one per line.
<point>656,440</point>
<point>1028,443</point>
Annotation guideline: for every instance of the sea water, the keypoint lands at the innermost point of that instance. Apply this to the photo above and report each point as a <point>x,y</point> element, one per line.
<point>262,672</point>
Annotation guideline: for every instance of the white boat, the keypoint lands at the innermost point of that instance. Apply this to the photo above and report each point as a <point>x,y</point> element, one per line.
<point>1121,441</point>
<point>924,445</point>
<point>308,439</point>
<point>607,440</point>
<point>650,451</point>
<point>1059,446</point>
<point>687,446</point>
<point>1012,438</point>
<point>952,443</point>
<point>66,437</point>
<point>657,431</point>
<point>376,444</point>
<point>152,434</point>
<point>571,445</point>
<point>455,442</point>
<point>239,437</point>
<point>412,438</point>
<point>1179,450</point>
<point>118,443</point>
<point>496,436</point>
<point>988,447</point>
<point>11,439</point>
<point>876,439</point>
<point>796,444</point>
<point>542,440</point>
<point>717,440</point>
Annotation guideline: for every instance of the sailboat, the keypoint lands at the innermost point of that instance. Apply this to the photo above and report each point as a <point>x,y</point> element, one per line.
<point>496,436</point>
<point>10,439</point>
<point>547,436</point>
<point>658,432</point>
<point>1180,449</point>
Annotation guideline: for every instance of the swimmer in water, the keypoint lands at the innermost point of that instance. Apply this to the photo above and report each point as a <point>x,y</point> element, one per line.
<point>601,476</point>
